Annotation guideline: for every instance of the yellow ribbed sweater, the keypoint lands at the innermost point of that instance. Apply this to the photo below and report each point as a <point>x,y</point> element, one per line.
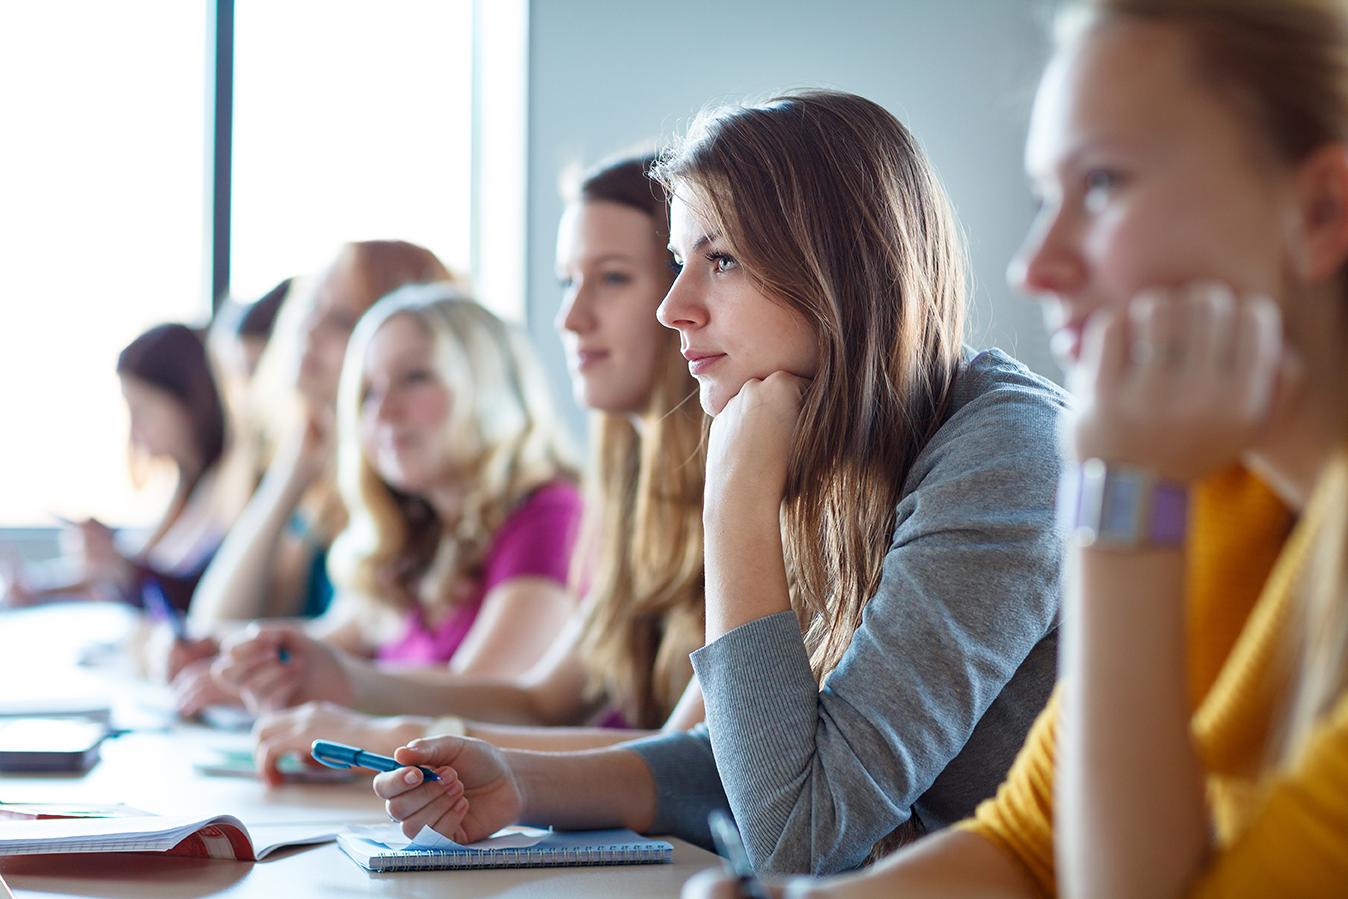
<point>1283,833</point>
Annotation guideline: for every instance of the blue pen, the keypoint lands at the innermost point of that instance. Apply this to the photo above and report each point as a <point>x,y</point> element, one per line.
<point>339,755</point>
<point>158,606</point>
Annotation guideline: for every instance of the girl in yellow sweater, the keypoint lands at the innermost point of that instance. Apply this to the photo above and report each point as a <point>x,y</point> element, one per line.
<point>1192,252</point>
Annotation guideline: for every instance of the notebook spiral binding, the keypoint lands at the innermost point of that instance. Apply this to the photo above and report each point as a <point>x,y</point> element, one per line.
<point>626,854</point>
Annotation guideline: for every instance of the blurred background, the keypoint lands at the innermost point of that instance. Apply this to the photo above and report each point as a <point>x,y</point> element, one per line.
<point>161,156</point>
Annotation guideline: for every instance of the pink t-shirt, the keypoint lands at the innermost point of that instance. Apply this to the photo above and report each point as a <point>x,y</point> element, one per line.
<point>535,541</point>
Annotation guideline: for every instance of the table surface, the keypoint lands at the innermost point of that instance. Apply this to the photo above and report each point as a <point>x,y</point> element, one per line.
<point>151,768</point>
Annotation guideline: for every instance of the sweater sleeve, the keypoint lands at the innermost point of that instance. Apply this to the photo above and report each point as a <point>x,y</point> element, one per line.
<point>1019,819</point>
<point>969,588</point>
<point>686,783</point>
<point>1296,843</point>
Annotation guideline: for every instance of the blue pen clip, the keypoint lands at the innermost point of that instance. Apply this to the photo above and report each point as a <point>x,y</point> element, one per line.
<point>339,755</point>
<point>157,604</point>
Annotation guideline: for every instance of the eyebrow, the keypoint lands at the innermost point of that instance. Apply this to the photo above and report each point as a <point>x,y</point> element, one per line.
<point>697,244</point>
<point>612,257</point>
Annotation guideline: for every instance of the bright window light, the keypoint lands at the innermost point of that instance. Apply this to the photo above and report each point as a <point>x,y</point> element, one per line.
<point>102,178</point>
<point>352,120</point>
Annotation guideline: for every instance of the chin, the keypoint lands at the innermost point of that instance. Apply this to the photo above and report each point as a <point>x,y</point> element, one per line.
<point>713,400</point>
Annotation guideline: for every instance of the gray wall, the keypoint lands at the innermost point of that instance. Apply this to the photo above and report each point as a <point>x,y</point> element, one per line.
<point>608,75</point>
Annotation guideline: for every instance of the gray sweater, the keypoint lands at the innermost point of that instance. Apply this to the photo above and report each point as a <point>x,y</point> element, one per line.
<point>954,658</point>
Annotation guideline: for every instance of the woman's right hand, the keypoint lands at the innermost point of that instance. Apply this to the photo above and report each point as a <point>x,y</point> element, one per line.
<point>310,450</point>
<point>195,688</point>
<point>476,796</point>
<point>278,666</point>
<point>294,730</point>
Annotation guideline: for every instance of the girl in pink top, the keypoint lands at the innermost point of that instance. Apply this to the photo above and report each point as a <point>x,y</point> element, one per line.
<point>463,509</point>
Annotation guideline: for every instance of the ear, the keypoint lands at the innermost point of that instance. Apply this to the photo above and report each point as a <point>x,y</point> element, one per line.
<point>1322,184</point>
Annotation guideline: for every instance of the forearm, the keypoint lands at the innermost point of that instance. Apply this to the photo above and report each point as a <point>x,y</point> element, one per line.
<point>745,567</point>
<point>1126,756</point>
<point>436,692</point>
<point>951,863</point>
<point>585,790</point>
<point>240,577</point>
<point>553,739</point>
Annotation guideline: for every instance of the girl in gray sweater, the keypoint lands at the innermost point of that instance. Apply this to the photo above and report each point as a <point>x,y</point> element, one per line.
<point>881,559</point>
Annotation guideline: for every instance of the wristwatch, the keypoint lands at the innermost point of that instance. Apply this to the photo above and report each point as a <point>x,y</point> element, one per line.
<point>1122,506</point>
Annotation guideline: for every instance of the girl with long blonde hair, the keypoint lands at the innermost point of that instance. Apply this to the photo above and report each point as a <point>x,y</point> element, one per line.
<point>1192,254</point>
<point>273,562</point>
<point>881,555</point>
<point>622,662</point>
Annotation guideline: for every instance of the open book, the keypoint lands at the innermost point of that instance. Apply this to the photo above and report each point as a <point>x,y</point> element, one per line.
<point>223,836</point>
<point>384,848</point>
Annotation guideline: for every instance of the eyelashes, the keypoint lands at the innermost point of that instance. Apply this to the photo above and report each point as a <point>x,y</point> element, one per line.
<point>722,263</point>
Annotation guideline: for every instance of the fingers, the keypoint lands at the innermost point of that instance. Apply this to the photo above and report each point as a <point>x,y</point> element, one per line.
<point>274,737</point>
<point>1263,368</point>
<point>430,751</point>
<point>269,686</point>
<point>417,803</point>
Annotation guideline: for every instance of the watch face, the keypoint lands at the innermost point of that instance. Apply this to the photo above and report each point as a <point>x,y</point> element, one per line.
<point>1121,507</point>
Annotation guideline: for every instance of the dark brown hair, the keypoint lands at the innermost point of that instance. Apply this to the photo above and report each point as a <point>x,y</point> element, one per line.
<point>173,359</point>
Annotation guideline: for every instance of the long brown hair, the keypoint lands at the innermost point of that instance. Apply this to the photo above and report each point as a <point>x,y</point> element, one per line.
<point>1283,65</point>
<point>831,207</point>
<point>641,556</point>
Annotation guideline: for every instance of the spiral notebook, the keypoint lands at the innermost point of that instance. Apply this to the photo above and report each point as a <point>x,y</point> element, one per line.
<point>384,848</point>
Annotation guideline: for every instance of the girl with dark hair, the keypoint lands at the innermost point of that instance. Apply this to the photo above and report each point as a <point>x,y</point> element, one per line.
<point>175,413</point>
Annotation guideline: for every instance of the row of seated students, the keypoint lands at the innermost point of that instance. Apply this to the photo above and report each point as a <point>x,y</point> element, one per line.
<point>826,594</point>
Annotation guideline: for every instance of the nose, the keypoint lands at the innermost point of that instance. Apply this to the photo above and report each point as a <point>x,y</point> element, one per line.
<point>682,308</point>
<point>575,314</point>
<point>1048,261</point>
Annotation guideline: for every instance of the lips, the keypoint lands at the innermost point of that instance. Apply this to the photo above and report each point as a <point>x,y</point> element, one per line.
<point>701,360</point>
<point>589,357</point>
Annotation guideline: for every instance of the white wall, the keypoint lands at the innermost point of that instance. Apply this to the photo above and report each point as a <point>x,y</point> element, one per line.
<point>608,75</point>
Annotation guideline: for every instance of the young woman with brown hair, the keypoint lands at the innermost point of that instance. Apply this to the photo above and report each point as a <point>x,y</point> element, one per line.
<point>1192,249</point>
<point>623,660</point>
<point>175,412</point>
<point>881,557</point>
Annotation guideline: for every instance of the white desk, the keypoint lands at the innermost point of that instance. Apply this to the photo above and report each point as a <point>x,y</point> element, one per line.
<point>152,770</point>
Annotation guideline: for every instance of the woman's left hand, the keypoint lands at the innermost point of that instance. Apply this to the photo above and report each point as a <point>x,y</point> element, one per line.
<point>750,444</point>
<point>294,730</point>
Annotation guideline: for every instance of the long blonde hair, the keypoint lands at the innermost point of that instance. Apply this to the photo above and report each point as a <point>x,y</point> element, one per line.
<point>378,267</point>
<point>1283,65</point>
<point>641,556</point>
<point>505,432</point>
<point>832,208</point>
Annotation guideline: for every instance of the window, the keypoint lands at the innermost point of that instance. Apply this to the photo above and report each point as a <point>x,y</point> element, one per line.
<point>101,227</point>
<point>352,120</point>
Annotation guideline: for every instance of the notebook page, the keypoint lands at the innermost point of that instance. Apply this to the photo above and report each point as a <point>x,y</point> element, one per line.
<point>152,834</point>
